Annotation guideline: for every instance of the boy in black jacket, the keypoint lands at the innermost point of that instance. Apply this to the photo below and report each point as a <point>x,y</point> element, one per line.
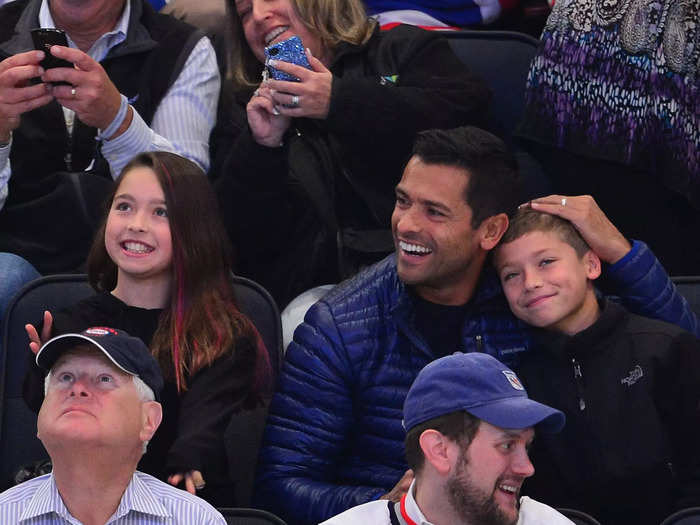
<point>629,386</point>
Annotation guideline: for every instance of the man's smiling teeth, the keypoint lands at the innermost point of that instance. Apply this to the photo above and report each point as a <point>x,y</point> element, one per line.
<point>414,248</point>
<point>137,247</point>
<point>269,37</point>
<point>509,488</point>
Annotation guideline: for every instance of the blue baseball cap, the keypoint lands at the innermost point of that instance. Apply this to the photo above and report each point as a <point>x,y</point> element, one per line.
<point>127,353</point>
<point>481,385</point>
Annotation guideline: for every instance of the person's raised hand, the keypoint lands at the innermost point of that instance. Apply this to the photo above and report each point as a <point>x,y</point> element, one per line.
<point>593,225</point>
<point>194,480</point>
<point>266,124</point>
<point>92,95</point>
<point>400,488</point>
<point>310,97</point>
<point>36,340</point>
<point>17,94</point>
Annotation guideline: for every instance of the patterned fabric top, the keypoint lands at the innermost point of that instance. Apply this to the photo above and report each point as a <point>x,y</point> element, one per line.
<point>619,80</point>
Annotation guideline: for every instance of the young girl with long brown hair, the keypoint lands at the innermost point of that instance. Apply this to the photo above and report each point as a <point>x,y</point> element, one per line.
<point>161,266</point>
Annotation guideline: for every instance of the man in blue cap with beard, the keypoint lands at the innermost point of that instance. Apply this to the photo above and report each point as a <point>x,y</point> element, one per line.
<point>469,425</point>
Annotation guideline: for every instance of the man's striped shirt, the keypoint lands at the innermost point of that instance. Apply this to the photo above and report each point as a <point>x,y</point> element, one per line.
<point>146,501</point>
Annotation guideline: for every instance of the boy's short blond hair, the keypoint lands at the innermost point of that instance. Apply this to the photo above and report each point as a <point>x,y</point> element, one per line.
<point>527,220</point>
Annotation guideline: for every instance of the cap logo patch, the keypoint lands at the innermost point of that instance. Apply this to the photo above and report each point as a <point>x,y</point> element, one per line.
<point>100,330</point>
<point>513,379</point>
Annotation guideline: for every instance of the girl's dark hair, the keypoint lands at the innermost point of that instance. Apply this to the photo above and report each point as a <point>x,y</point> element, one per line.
<point>202,322</point>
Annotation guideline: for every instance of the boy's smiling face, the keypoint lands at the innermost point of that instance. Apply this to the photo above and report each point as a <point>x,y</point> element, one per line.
<point>546,283</point>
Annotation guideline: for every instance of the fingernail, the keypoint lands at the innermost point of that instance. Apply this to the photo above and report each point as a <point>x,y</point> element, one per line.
<point>272,63</point>
<point>275,111</point>
<point>309,52</point>
<point>272,91</point>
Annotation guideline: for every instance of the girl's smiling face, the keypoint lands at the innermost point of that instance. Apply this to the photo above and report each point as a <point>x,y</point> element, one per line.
<point>137,234</point>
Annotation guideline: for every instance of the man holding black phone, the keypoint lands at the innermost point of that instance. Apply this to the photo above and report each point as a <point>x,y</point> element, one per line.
<point>137,81</point>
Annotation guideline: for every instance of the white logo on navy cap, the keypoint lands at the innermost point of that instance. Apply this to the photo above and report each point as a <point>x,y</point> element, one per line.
<point>513,379</point>
<point>100,330</point>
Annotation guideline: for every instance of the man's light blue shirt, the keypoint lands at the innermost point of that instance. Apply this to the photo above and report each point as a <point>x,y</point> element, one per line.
<point>146,501</point>
<point>182,122</point>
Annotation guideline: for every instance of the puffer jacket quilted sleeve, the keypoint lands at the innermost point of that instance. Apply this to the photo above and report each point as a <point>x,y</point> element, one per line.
<point>644,287</point>
<point>303,451</point>
<point>333,435</point>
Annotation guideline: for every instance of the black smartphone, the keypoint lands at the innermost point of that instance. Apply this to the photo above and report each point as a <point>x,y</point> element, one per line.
<point>290,50</point>
<point>44,38</point>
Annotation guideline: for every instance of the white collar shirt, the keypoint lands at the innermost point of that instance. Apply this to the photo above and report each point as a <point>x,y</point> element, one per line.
<point>412,509</point>
<point>102,45</point>
<point>377,513</point>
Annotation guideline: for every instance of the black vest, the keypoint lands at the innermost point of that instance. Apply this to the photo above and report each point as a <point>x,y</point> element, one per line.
<point>53,205</point>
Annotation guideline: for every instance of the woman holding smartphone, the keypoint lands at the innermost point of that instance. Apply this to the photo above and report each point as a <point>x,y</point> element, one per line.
<point>306,170</point>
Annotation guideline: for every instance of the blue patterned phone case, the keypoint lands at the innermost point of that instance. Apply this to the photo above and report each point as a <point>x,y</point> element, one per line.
<point>290,50</point>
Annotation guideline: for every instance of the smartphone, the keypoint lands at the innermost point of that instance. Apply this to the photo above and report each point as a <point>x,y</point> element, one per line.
<point>44,38</point>
<point>290,50</point>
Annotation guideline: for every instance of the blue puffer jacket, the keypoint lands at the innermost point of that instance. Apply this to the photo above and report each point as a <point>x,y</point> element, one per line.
<point>334,437</point>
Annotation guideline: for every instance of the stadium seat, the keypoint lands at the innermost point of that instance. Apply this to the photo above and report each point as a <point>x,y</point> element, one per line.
<point>689,516</point>
<point>689,287</point>
<point>19,445</point>
<point>244,516</point>
<point>502,59</point>
<point>579,517</point>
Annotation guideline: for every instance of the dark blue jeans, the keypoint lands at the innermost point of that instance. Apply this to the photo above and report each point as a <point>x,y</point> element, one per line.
<point>15,272</point>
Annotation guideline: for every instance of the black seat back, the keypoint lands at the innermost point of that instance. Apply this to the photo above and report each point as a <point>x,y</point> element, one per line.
<point>19,445</point>
<point>689,516</point>
<point>689,287</point>
<point>245,516</point>
<point>257,303</point>
<point>579,517</point>
<point>502,59</point>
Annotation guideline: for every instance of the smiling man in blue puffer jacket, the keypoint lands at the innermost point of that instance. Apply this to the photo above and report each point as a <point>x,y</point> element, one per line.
<point>334,437</point>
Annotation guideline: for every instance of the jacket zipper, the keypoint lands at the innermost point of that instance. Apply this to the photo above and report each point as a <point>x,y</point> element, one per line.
<point>68,158</point>
<point>578,377</point>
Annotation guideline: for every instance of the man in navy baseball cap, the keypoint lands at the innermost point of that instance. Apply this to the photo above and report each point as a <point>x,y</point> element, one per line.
<point>481,385</point>
<point>127,353</point>
<point>100,410</point>
<point>469,425</point>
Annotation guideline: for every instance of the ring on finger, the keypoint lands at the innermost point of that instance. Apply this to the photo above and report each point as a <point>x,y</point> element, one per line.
<point>295,101</point>
<point>200,486</point>
<point>72,92</point>
<point>563,201</point>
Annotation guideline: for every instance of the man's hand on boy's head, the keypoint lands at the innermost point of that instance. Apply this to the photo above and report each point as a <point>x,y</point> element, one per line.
<point>593,225</point>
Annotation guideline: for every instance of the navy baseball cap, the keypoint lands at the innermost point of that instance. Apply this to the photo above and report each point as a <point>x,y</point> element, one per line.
<point>481,385</point>
<point>127,353</point>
